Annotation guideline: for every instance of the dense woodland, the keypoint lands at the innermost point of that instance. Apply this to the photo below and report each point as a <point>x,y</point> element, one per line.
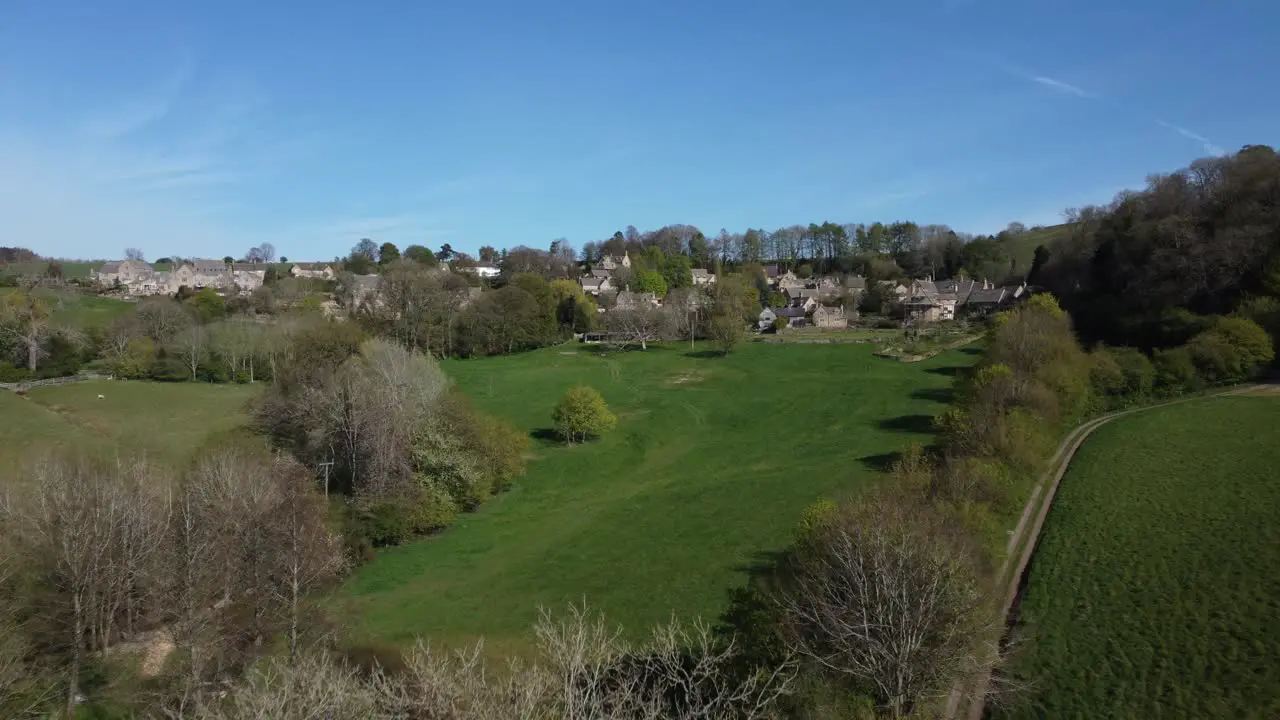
<point>882,604</point>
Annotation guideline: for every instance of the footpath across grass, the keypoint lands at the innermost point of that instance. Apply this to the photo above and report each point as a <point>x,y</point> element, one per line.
<point>711,465</point>
<point>1155,591</point>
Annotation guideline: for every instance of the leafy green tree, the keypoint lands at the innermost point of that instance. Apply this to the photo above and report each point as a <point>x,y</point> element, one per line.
<point>207,305</point>
<point>388,254</point>
<point>780,324</point>
<point>777,299</point>
<point>358,264</point>
<point>582,413</point>
<point>488,254</point>
<point>677,273</point>
<point>651,281</point>
<point>420,254</point>
<point>805,271</point>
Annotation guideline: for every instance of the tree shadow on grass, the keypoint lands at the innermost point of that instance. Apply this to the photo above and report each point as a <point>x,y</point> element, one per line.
<point>922,424</point>
<point>882,462</point>
<point>545,437</point>
<point>939,395</point>
<point>971,350</point>
<point>704,354</point>
<point>949,370</point>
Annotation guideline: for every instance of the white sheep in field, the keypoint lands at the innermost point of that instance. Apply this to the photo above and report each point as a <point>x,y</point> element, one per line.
<point>102,397</point>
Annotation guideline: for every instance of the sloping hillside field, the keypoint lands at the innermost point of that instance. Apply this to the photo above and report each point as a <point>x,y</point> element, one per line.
<point>711,465</point>
<point>1155,591</point>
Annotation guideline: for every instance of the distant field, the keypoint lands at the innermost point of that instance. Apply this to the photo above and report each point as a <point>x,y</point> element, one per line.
<point>166,421</point>
<point>1155,591</point>
<point>1023,248</point>
<point>70,269</point>
<point>711,465</point>
<point>82,311</point>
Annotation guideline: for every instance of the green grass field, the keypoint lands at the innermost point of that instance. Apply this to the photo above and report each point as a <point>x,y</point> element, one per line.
<point>711,465</point>
<point>165,421</point>
<point>82,311</point>
<point>1155,592</point>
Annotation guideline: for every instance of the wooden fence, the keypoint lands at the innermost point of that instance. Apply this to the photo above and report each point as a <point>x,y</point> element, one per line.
<point>21,387</point>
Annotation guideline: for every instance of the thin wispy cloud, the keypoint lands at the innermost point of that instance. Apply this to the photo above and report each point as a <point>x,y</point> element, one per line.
<point>166,169</point>
<point>1062,87</point>
<point>136,114</point>
<point>1208,145</point>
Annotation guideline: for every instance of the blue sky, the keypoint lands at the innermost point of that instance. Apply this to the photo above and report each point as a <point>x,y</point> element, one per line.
<point>202,128</point>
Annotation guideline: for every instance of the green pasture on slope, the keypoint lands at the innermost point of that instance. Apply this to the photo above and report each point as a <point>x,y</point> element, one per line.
<point>710,467</point>
<point>1155,592</point>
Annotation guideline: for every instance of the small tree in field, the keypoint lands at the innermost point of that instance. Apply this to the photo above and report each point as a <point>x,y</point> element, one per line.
<point>581,413</point>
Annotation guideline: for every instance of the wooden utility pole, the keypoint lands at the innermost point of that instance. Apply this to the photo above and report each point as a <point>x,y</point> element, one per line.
<point>325,467</point>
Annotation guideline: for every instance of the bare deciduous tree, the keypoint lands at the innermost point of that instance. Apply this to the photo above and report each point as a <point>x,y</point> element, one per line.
<point>641,324</point>
<point>68,526</point>
<point>161,318</point>
<point>882,594</point>
<point>134,254</point>
<point>308,554</point>
<point>585,671</point>
<point>191,347</point>
<point>28,321</point>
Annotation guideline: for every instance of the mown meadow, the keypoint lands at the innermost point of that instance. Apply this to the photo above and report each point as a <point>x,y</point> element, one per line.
<point>710,468</point>
<point>167,422</point>
<point>1155,591</point>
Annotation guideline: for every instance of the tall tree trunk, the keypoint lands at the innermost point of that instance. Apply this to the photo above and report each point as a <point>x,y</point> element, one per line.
<point>77,650</point>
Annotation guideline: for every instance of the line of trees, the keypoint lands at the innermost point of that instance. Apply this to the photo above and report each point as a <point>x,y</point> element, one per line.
<point>202,570</point>
<point>404,446</point>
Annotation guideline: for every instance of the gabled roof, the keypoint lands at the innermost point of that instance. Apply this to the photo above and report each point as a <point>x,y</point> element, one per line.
<point>209,266</point>
<point>700,272</point>
<point>601,273</point>
<point>924,287</point>
<point>801,292</point>
<point>993,296</point>
<point>855,282</point>
<point>593,282</point>
<point>110,268</point>
<point>789,312</point>
<point>249,267</point>
<point>771,271</point>
<point>312,266</point>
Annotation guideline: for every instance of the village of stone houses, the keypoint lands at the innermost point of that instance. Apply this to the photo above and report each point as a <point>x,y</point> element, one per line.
<point>788,302</point>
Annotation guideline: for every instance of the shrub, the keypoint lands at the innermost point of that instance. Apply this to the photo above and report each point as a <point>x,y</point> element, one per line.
<point>1136,368</point>
<point>384,521</point>
<point>780,324</point>
<point>137,361</point>
<point>166,368</point>
<point>1105,374</point>
<point>1175,371</point>
<point>581,413</point>
<point>433,510</point>
<point>11,374</point>
<point>1233,349</point>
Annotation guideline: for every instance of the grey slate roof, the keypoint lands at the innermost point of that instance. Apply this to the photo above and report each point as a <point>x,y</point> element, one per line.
<point>600,273</point>
<point>789,312</point>
<point>209,266</point>
<point>110,268</point>
<point>994,296</point>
